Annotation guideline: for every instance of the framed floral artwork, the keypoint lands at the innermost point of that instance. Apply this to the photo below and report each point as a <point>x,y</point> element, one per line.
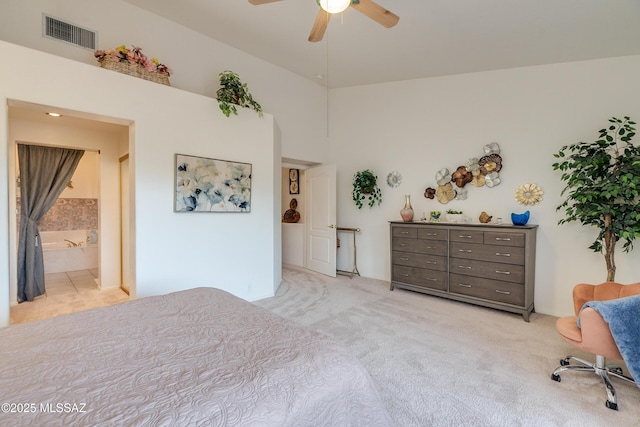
<point>211,185</point>
<point>294,181</point>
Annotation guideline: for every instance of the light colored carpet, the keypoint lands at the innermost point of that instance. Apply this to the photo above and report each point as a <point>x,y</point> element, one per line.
<point>444,363</point>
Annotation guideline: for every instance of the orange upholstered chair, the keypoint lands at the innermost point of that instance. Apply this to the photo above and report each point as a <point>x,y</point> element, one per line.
<point>594,335</point>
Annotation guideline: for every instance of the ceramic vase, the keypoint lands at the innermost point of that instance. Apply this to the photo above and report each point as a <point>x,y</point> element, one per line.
<point>407,212</point>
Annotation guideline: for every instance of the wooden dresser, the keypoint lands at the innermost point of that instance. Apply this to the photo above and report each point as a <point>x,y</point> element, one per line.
<point>483,264</point>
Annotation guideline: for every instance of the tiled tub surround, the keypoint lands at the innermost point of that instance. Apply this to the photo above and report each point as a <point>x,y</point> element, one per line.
<point>68,214</point>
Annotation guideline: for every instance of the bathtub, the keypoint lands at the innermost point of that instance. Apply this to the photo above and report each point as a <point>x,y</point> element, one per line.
<point>69,250</point>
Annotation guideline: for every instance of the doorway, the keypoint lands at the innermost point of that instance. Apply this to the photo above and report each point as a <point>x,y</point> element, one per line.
<point>27,122</point>
<point>309,242</point>
<point>125,225</point>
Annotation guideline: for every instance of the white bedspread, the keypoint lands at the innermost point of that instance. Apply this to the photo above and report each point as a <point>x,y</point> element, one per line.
<point>200,357</point>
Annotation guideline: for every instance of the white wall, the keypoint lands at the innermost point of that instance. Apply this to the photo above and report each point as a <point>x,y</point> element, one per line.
<point>196,61</point>
<point>172,251</point>
<point>418,127</point>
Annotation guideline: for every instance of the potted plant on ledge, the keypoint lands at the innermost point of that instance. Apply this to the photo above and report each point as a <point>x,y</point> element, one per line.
<point>365,187</point>
<point>603,188</point>
<point>234,93</point>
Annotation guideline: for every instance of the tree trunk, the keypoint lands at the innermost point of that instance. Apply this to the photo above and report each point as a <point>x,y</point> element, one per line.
<point>609,249</point>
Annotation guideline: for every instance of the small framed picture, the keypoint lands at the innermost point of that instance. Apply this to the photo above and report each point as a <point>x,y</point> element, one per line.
<point>294,181</point>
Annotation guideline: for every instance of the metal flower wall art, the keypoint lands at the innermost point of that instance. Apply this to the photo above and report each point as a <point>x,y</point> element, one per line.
<point>529,194</point>
<point>477,171</point>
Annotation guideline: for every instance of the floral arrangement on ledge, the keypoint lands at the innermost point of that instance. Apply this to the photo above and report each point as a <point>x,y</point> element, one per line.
<point>133,56</point>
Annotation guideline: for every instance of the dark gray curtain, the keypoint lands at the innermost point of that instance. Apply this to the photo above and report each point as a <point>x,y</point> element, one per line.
<point>44,173</point>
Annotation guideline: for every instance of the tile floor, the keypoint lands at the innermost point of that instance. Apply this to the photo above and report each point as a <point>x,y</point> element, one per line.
<point>67,293</point>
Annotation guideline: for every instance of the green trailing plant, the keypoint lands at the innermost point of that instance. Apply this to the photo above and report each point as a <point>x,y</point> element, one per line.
<point>365,188</point>
<point>234,93</point>
<point>603,188</point>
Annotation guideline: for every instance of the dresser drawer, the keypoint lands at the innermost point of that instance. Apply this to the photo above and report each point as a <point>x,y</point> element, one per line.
<point>491,253</point>
<point>409,232</point>
<point>488,270</point>
<point>433,233</point>
<point>504,239</point>
<point>411,259</point>
<point>471,236</point>
<point>420,277</point>
<point>494,290</point>
<point>430,247</point>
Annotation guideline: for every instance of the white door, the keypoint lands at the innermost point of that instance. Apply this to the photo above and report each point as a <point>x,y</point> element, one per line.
<point>321,219</point>
<point>124,227</point>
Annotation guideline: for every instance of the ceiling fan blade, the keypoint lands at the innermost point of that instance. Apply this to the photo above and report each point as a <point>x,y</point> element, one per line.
<point>319,26</point>
<point>376,12</point>
<point>256,2</point>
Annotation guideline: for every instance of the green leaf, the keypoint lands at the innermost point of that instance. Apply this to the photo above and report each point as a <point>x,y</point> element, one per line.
<point>603,180</point>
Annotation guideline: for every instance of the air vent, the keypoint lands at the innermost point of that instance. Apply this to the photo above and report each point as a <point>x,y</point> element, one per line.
<point>69,33</point>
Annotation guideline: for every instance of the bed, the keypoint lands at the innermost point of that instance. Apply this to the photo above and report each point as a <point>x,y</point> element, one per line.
<point>196,357</point>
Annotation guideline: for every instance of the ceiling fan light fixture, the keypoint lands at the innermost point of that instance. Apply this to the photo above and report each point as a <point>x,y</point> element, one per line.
<point>334,6</point>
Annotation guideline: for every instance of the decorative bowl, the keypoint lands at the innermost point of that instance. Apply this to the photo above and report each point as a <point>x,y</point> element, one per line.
<point>520,219</point>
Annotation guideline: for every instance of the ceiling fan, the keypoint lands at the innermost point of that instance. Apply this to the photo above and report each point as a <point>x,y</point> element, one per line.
<point>367,7</point>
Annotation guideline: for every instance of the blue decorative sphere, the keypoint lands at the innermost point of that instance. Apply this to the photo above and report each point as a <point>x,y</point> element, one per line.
<point>520,219</point>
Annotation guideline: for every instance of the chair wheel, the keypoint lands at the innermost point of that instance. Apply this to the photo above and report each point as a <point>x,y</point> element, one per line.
<point>564,362</point>
<point>556,377</point>
<point>611,405</point>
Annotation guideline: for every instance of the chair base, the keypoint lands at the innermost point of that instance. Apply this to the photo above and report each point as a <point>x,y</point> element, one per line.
<point>601,369</point>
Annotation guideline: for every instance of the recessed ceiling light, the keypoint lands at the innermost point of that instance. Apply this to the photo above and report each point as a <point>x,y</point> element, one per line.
<point>54,114</point>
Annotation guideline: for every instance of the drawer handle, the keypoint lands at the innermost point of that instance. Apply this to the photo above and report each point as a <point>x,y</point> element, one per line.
<point>431,234</point>
<point>432,262</point>
<point>404,232</point>
<point>431,247</point>
<point>502,292</point>
<point>506,239</point>
<point>464,250</point>
<point>501,254</point>
<point>465,236</point>
<point>404,259</point>
<point>431,279</point>
<point>403,244</point>
<point>503,272</point>
<point>404,274</point>
<point>464,285</point>
<point>464,266</point>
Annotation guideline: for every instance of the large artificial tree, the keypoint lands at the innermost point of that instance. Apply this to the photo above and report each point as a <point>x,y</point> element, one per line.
<point>603,188</point>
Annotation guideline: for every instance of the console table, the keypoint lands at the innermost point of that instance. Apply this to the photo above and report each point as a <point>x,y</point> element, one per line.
<point>483,264</point>
<point>354,270</point>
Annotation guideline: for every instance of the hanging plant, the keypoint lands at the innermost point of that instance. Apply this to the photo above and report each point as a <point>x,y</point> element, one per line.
<point>234,93</point>
<point>365,187</point>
